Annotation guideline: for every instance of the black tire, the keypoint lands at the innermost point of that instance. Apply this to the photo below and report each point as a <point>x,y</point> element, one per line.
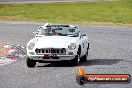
<point>84,58</point>
<point>76,60</point>
<point>88,46</point>
<point>30,62</point>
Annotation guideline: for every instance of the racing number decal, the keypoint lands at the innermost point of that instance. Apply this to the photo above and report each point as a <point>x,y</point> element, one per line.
<point>49,56</point>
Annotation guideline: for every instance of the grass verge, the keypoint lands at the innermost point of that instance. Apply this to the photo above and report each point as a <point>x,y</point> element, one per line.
<point>88,13</point>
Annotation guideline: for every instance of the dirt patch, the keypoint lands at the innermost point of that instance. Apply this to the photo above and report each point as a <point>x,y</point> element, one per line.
<point>11,53</point>
<point>4,49</point>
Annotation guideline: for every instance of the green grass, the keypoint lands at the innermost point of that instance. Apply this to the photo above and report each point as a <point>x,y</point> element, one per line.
<point>115,12</point>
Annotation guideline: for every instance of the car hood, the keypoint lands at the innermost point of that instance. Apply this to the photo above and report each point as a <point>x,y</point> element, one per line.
<point>54,41</point>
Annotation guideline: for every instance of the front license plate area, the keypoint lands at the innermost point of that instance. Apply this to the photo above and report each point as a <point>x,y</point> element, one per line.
<point>50,56</point>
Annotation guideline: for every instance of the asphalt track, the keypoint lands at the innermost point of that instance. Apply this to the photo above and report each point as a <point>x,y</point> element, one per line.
<point>110,53</point>
<point>47,1</point>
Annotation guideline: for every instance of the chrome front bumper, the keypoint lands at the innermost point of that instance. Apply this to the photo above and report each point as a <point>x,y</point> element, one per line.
<point>60,57</point>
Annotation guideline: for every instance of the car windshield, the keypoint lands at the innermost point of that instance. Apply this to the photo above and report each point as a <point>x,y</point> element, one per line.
<point>58,31</point>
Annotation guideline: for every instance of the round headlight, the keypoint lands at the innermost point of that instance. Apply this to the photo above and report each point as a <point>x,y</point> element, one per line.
<point>72,46</point>
<point>31,46</point>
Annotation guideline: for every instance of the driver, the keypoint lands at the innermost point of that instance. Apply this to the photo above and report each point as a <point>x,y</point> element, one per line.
<point>48,31</point>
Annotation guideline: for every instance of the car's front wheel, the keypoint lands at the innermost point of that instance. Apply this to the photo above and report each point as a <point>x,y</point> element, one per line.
<point>30,62</point>
<point>75,61</point>
<point>84,58</point>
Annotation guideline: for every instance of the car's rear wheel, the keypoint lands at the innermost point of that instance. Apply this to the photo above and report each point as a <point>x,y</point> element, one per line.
<point>30,62</point>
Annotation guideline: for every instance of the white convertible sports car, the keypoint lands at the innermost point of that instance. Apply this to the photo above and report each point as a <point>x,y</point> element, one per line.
<point>57,43</point>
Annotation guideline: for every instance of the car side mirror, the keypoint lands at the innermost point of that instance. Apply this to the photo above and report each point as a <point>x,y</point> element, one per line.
<point>84,35</point>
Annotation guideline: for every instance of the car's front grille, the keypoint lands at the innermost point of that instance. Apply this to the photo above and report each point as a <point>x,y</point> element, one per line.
<point>60,51</point>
